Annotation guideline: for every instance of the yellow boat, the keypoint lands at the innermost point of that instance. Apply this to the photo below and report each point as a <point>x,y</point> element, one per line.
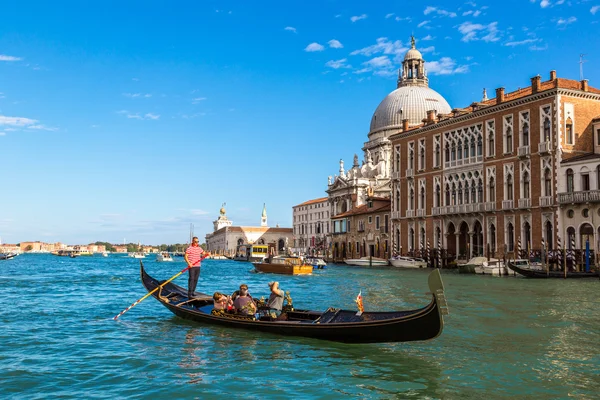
<point>284,265</point>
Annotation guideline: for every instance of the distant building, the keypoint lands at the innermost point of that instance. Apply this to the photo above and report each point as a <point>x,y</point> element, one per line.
<point>311,226</point>
<point>226,238</point>
<point>119,248</point>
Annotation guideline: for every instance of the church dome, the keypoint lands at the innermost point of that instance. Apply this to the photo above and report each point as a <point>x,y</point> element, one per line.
<point>412,98</point>
<point>408,102</point>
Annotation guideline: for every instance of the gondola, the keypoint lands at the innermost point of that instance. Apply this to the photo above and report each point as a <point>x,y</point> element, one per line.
<point>338,325</point>
<point>541,274</point>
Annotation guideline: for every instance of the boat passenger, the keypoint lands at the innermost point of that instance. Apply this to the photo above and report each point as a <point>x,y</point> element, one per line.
<point>221,301</point>
<point>275,302</point>
<point>244,303</point>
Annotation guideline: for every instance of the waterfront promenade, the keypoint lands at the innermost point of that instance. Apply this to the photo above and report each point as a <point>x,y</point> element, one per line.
<point>504,337</point>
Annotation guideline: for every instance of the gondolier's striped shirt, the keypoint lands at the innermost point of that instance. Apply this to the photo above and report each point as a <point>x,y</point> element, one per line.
<point>194,255</point>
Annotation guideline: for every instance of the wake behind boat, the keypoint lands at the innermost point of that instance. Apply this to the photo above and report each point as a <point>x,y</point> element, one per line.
<point>367,262</point>
<point>338,325</point>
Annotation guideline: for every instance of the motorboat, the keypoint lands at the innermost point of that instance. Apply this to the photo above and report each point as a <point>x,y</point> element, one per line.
<point>286,265</point>
<point>137,254</point>
<point>469,267</point>
<point>9,255</point>
<point>317,263</point>
<point>367,262</point>
<point>334,324</point>
<point>523,267</point>
<point>164,257</point>
<point>104,254</point>
<point>493,267</point>
<point>408,262</point>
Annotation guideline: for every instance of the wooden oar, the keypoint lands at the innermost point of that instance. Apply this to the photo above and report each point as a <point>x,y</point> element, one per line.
<point>149,293</point>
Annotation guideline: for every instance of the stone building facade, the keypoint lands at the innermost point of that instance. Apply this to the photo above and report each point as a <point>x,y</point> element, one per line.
<point>486,179</point>
<point>362,231</point>
<point>311,226</point>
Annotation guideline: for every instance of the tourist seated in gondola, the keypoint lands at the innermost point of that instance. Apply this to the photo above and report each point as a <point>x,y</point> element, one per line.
<point>275,302</point>
<point>243,303</point>
<point>222,302</point>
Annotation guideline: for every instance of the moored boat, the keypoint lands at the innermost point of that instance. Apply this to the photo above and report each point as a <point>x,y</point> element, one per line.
<point>317,263</point>
<point>339,325</point>
<point>407,262</point>
<point>521,269</point>
<point>367,262</point>
<point>284,265</point>
<point>493,267</point>
<point>469,267</point>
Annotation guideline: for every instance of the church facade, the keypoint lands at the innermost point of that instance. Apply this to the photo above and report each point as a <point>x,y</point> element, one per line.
<point>225,238</point>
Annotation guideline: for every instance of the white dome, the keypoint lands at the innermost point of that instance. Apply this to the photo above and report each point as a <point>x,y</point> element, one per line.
<point>408,102</point>
<point>413,54</point>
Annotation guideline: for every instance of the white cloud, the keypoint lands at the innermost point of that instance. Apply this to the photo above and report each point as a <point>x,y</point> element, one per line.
<point>445,66</point>
<point>521,42</point>
<point>138,116</point>
<point>16,121</point>
<point>428,37</point>
<point>337,64</point>
<point>421,24</point>
<point>390,15</point>
<point>594,9</point>
<point>384,46</point>
<point>136,95</point>
<point>152,116</point>
<point>538,48</point>
<point>197,100</point>
<point>544,3</point>
<point>378,62</point>
<point>358,17</point>
<point>290,28</point>
<point>428,49</point>
<point>42,128</point>
<point>314,47</point>
<point>403,19</point>
<point>335,44</point>
<point>439,11</point>
<point>566,22</point>
<point>470,31</point>
<point>4,57</point>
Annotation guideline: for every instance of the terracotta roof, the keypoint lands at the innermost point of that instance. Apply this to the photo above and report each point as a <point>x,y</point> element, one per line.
<point>306,203</point>
<point>581,157</point>
<point>364,209</point>
<point>597,118</point>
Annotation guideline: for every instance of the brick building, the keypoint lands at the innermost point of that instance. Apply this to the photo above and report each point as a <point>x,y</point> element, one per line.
<point>486,179</point>
<point>362,231</point>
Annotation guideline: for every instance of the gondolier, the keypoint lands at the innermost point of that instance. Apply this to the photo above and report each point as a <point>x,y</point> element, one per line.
<point>193,257</point>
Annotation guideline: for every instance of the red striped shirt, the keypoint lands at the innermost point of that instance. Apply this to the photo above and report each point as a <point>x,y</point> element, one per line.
<point>194,255</point>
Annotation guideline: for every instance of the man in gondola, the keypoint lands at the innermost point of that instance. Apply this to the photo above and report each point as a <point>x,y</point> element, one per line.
<point>193,257</point>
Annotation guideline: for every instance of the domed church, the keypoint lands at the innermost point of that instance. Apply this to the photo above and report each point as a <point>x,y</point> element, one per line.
<point>405,107</point>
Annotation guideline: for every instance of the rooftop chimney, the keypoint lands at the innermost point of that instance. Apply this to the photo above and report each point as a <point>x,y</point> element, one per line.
<point>535,84</point>
<point>430,117</point>
<point>584,85</point>
<point>552,75</point>
<point>499,95</point>
<point>405,124</point>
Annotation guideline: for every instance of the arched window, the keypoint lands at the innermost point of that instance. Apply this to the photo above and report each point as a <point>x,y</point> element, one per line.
<point>473,193</point>
<point>569,130</point>
<point>422,205</point>
<point>526,185</point>
<point>527,235</point>
<point>480,191</point>
<point>526,134</point>
<point>412,199</point>
<point>509,140</point>
<point>447,152</point>
<point>492,191</point>
<point>547,129</point>
<point>509,187</point>
<point>472,147</point>
<point>411,239</point>
<point>547,182</point>
<point>422,238</point>
<point>460,193</point>
<point>510,240</point>
<point>438,197</point>
<point>447,194</point>
<point>493,238</point>
<point>549,236</point>
<point>459,149</point>
<point>422,155</point>
<point>491,148</point>
<point>466,149</point>
<point>570,181</point>
<point>411,158</point>
<point>479,146</point>
<point>453,194</point>
<point>437,155</point>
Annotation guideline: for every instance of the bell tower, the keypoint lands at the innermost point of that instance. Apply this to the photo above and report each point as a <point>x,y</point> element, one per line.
<point>413,71</point>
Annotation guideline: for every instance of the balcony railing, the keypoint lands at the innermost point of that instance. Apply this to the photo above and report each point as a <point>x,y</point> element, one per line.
<point>463,161</point>
<point>409,173</point>
<point>544,147</point>
<point>490,206</point>
<point>420,212</point>
<point>524,203</point>
<point>588,196</point>
<point>395,214</point>
<point>396,175</point>
<point>436,210</point>
<point>410,213</point>
<point>508,204</point>
<point>523,151</point>
<point>546,201</point>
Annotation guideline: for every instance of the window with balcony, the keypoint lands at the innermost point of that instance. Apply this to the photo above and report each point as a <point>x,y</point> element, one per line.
<point>473,193</point>
<point>411,200</point>
<point>447,194</point>
<point>466,192</point>
<point>510,237</point>
<point>479,146</point>
<point>422,202</point>
<point>480,191</point>
<point>472,147</point>
<point>509,141</point>
<point>437,197</point>
<point>569,132</point>
<point>422,154</point>
<point>447,152</point>
<point>547,182</point>
<point>397,159</point>
<point>492,190</point>
<point>491,133</point>
<point>570,181</point>
<point>453,194</point>
<point>547,129</point>
<point>438,152</point>
<point>525,137</point>
<point>453,152</point>
<point>492,238</point>
<point>585,182</point>
<point>460,194</point>
<point>411,156</point>
<point>526,185</point>
<point>460,150</point>
<point>509,188</point>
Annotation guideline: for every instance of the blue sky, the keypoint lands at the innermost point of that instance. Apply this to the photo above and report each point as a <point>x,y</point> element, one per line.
<point>131,120</point>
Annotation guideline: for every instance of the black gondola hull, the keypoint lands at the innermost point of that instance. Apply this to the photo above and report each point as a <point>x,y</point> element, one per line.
<point>539,274</point>
<point>404,326</point>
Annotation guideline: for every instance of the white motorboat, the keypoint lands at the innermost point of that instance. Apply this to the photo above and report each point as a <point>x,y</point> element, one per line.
<point>104,254</point>
<point>164,257</point>
<point>408,262</point>
<point>137,254</point>
<point>8,255</point>
<point>492,267</point>
<point>316,262</point>
<point>367,262</point>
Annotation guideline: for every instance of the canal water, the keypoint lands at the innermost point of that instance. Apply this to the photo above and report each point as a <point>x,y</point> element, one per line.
<point>504,338</point>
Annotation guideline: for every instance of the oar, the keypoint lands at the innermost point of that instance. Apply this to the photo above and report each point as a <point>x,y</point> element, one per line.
<point>149,293</point>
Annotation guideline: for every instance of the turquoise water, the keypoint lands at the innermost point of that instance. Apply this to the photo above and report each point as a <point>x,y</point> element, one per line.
<point>504,337</point>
